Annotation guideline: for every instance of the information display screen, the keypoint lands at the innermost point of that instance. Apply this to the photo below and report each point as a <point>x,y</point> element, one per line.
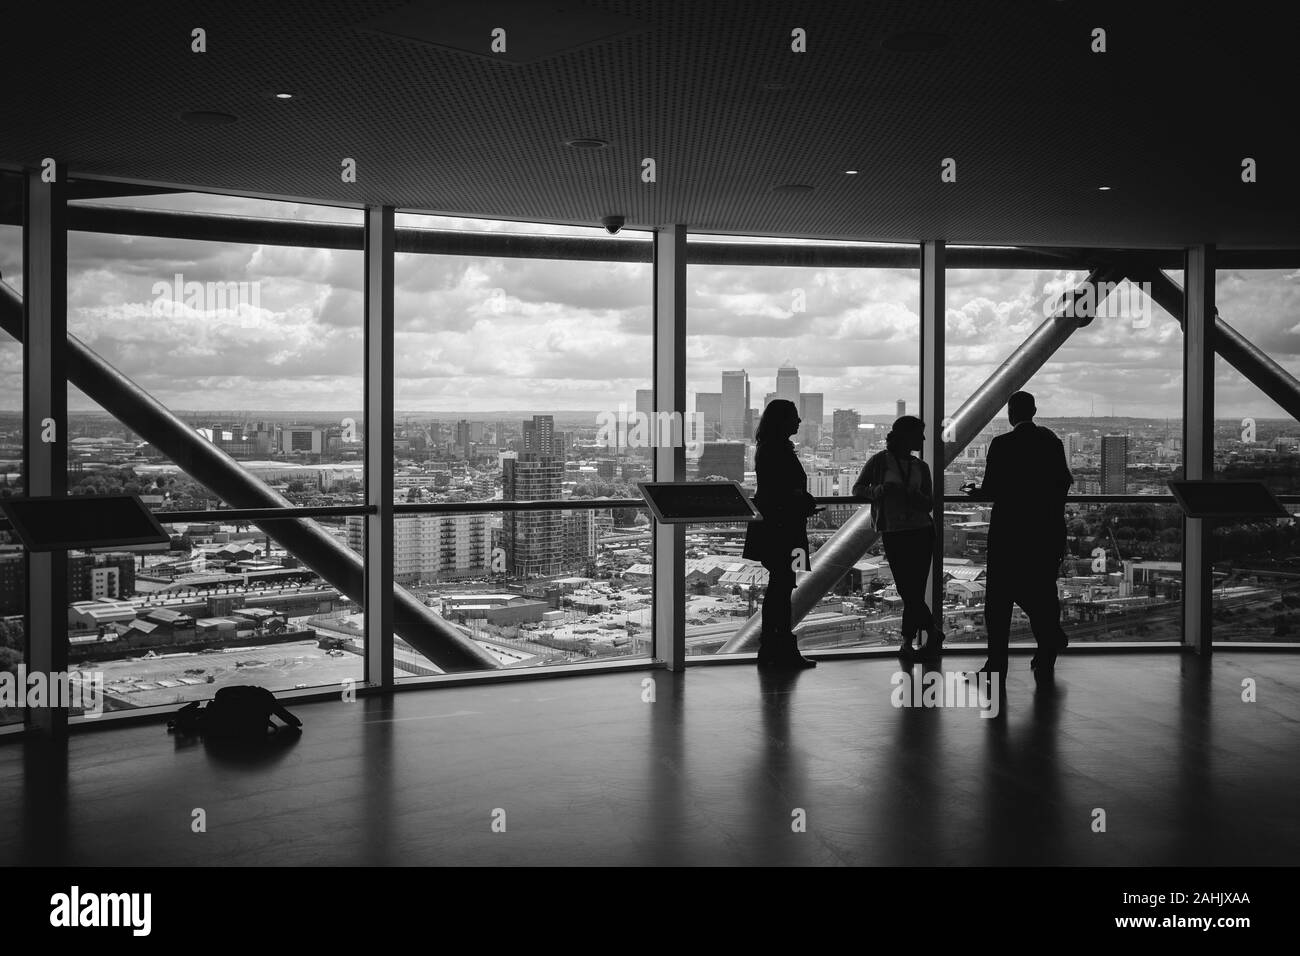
<point>83,522</point>
<point>689,502</point>
<point>1227,499</point>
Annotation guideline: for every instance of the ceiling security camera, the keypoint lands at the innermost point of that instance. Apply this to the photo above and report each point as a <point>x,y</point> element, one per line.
<point>613,224</point>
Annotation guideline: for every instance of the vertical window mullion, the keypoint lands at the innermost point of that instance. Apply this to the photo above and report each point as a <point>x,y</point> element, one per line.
<point>378,267</point>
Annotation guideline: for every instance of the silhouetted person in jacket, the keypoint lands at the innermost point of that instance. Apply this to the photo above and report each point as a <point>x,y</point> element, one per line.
<point>1027,476</point>
<point>780,540</point>
<point>902,497</point>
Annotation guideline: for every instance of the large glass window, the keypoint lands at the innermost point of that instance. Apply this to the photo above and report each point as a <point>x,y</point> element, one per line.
<point>843,344</point>
<point>13,571</point>
<point>1118,377</point>
<point>1256,565</point>
<point>1112,392</point>
<point>229,375</point>
<point>519,378</point>
<point>256,346</point>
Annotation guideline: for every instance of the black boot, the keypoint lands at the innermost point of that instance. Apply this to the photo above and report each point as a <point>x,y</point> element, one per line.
<point>767,648</point>
<point>1045,659</point>
<point>933,648</point>
<point>786,655</point>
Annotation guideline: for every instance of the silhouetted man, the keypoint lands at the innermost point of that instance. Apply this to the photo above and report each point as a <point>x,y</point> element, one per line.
<point>1027,476</point>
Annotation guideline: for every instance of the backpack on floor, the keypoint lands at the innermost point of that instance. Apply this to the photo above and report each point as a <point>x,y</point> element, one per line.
<point>240,712</point>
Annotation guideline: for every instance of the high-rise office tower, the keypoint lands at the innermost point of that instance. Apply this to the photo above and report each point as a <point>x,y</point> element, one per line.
<point>709,406</point>
<point>535,539</point>
<point>810,412</point>
<point>735,404</point>
<point>539,436</point>
<point>579,529</point>
<point>463,437</point>
<point>768,399</point>
<point>844,426</point>
<point>787,384</point>
<point>645,402</point>
<point>1114,464</point>
<point>645,410</point>
<point>900,408</point>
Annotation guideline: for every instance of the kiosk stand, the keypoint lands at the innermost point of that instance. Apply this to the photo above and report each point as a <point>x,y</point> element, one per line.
<point>84,523</point>
<point>697,502</point>
<point>1227,499</point>
<point>1222,502</point>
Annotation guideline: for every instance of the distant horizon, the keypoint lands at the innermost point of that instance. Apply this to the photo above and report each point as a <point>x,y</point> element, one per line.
<point>525,414</point>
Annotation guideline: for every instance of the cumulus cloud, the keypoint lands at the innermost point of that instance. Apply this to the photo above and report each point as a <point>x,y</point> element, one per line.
<point>478,334</point>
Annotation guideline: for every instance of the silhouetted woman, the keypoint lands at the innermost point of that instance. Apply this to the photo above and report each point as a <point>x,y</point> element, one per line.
<point>780,540</point>
<point>901,494</point>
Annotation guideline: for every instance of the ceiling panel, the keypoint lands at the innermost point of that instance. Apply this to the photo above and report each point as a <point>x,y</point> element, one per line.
<point>710,91</point>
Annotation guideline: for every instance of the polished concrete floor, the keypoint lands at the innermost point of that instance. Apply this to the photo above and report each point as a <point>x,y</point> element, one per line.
<point>721,768</point>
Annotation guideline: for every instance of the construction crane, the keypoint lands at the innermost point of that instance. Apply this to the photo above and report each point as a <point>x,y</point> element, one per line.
<point>1119,558</point>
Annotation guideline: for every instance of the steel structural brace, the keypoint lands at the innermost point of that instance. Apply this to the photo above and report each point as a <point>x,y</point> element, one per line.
<point>851,540</point>
<point>338,564</point>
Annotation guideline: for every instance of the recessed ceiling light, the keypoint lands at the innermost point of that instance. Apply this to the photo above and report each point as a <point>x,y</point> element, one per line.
<point>850,172</point>
<point>208,118</point>
<point>582,143</point>
<point>916,41</point>
<point>792,188</point>
<point>1104,188</point>
<point>284,96</point>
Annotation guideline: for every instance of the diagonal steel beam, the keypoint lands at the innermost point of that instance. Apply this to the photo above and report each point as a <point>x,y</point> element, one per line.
<point>852,539</point>
<point>416,624</point>
<point>1239,352</point>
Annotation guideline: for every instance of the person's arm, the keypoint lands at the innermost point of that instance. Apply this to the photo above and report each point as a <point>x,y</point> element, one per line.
<point>924,498</point>
<point>1063,477</point>
<point>811,507</point>
<point>991,485</point>
<point>799,486</point>
<point>862,487</point>
<point>867,485</point>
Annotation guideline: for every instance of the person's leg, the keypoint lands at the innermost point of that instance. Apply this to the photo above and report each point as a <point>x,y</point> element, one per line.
<point>898,554</point>
<point>778,644</point>
<point>1043,605</point>
<point>776,608</point>
<point>923,557</point>
<point>914,549</point>
<point>999,591</point>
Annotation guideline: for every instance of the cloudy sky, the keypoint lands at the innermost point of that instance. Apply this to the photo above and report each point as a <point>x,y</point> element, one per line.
<point>478,335</point>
